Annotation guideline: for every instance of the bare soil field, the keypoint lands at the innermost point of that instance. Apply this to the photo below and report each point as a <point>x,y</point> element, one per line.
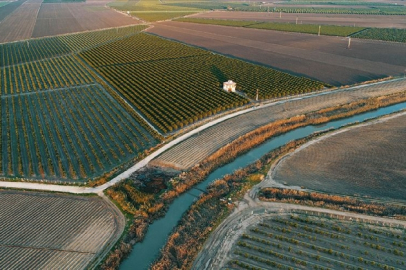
<point>380,21</point>
<point>56,19</point>
<point>51,231</point>
<point>196,148</point>
<point>9,9</point>
<point>368,161</point>
<point>20,24</point>
<point>322,58</point>
<point>32,19</point>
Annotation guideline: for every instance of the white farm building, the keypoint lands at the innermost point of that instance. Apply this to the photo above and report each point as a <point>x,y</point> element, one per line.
<point>229,86</point>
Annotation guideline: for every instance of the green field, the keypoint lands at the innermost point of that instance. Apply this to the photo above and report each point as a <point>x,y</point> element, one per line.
<point>37,49</point>
<point>310,241</point>
<point>68,134</point>
<point>153,10</point>
<point>174,85</point>
<point>387,34</point>
<point>59,121</point>
<point>330,30</point>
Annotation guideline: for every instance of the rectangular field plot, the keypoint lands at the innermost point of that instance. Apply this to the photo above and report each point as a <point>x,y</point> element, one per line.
<point>305,241</point>
<point>174,85</point>
<point>69,134</point>
<point>37,49</point>
<point>42,75</point>
<point>54,231</point>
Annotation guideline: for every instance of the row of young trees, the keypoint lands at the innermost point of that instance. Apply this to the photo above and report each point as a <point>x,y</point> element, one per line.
<point>43,75</point>
<point>71,134</point>
<point>44,48</point>
<point>174,85</point>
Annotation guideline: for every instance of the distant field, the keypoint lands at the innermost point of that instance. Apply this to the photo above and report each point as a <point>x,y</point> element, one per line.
<point>312,241</point>
<point>323,58</point>
<point>37,49</point>
<point>397,35</point>
<point>63,18</point>
<point>50,231</point>
<point>20,24</point>
<point>151,10</point>
<point>369,161</point>
<point>174,85</point>
<point>329,30</point>
<point>26,19</point>
<point>379,21</point>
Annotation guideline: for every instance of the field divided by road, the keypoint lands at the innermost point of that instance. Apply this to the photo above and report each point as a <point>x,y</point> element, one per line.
<point>174,85</point>
<point>38,49</point>
<point>196,148</point>
<point>324,58</point>
<point>68,134</point>
<point>318,242</point>
<point>53,231</point>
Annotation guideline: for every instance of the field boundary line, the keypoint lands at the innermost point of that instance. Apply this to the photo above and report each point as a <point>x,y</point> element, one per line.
<point>146,160</point>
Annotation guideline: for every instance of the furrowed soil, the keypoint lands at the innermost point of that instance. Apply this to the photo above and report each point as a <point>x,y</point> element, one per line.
<point>323,58</point>
<point>54,231</point>
<point>56,19</point>
<point>368,161</point>
<point>380,21</point>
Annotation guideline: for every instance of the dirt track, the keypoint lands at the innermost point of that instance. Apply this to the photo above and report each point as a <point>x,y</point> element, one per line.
<point>380,21</point>
<point>215,252</point>
<point>322,58</point>
<point>198,147</point>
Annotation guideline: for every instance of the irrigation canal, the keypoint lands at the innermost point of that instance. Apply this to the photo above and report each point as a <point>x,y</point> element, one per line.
<point>143,254</point>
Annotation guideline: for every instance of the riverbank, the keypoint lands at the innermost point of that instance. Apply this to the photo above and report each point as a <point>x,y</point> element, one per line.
<point>198,173</point>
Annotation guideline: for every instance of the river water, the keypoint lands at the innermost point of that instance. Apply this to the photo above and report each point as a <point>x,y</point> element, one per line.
<point>143,254</point>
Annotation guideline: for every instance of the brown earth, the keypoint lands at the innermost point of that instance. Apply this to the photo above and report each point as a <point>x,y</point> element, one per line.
<point>20,24</point>
<point>368,161</point>
<point>53,231</point>
<point>323,58</point>
<point>32,19</point>
<point>380,21</point>
<point>56,19</point>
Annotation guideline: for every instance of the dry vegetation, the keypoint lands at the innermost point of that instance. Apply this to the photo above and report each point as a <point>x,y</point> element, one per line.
<point>146,208</point>
<point>196,148</point>
<point>51,231</point>
<point>368,161</point>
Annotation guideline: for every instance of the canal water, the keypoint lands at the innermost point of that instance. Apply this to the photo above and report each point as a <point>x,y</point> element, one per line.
<point>143,254</point>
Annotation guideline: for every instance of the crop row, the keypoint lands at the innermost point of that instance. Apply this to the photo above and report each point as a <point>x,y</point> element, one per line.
<point>42,75</point>
<point>37,49</point>
<point>47,237</point>
<point>138,48</point>
<point>387,34</point>
<point>330,30</point>
<point>69,134</point>
<point>174,85</point>
<point>320,243</point>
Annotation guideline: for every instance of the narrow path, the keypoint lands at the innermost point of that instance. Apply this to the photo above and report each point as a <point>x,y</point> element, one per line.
<point>215,253</point>
<point>145,161</point>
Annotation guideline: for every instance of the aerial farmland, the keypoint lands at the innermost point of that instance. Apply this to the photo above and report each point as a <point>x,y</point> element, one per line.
<point>124,146</point>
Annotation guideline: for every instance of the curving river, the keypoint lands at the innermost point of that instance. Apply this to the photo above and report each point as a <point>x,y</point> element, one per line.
<point>145,253</point>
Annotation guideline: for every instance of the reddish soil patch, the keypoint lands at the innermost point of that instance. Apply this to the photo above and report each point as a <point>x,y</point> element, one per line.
<point>20,24</point>
<point>323,58</point>
<point>56,19</point>
<point>381,21</point>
